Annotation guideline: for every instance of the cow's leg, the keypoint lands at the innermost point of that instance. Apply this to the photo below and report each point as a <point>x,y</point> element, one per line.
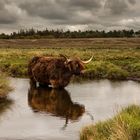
<point>32,83</point>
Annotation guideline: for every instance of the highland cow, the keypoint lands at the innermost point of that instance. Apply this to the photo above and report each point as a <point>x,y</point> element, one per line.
<point>54,72</point>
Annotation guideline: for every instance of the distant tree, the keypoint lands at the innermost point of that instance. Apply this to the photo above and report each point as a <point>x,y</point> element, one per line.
<point>4,36</point>
<point>59,33</point>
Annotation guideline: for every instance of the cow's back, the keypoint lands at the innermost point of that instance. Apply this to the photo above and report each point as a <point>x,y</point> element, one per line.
<point>42,69</point>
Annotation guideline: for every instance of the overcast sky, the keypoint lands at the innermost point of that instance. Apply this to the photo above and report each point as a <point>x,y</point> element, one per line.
<point>69,14</point>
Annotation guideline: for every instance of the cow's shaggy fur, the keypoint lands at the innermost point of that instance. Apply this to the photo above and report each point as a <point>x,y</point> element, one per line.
<point>56,72</point>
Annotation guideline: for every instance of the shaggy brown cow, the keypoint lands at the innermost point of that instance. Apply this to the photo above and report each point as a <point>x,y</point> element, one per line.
<point>55,101</point>
<point>56,72</point>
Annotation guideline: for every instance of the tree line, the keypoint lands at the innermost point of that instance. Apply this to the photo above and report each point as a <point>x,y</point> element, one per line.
<point>37,34</point>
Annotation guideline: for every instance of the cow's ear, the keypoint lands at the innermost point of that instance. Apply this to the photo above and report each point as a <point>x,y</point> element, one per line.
<point>64,56</point>
<point>67,60</point>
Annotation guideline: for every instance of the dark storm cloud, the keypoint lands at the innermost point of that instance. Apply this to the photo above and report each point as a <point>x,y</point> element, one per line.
<point>59,9</point>
<point>6,16</point>
<point>45,9</point>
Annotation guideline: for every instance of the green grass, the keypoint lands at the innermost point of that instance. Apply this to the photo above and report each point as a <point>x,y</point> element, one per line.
<point>124,126</point>
<point>4,86</point>
<point>116,64</point>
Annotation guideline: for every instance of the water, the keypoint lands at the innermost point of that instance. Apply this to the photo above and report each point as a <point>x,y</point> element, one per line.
<point>40,114</point>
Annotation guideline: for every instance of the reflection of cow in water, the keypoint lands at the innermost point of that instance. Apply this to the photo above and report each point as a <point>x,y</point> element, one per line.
<point>54,71</point>
<point>55,101</point>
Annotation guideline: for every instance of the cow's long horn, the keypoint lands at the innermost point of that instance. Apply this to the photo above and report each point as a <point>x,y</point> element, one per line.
<point>85,62</point>
<point>66,58</point>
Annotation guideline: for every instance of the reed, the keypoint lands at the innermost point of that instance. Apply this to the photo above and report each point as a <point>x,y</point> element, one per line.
<point>4,86</point>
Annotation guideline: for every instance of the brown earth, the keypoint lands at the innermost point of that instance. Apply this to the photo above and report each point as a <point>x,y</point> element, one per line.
<point>83,42</point>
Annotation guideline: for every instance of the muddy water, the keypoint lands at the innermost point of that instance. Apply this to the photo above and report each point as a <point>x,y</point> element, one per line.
<point>45,114</point>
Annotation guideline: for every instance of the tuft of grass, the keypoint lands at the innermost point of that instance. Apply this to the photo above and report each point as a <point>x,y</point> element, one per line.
<point>4,86</point>
<point>5,104</point>
<point>124,126</point>
<point>104,69</point>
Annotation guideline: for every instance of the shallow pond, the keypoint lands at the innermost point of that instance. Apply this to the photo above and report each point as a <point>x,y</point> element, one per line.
<point>41,113</point>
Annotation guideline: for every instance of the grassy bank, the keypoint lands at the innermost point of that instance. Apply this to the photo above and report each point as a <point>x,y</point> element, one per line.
<point>107,63</point>
<point>124,126</point>
<point>4,87</point>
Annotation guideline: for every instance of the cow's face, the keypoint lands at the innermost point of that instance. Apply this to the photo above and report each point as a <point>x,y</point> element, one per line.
<point>76,67</point>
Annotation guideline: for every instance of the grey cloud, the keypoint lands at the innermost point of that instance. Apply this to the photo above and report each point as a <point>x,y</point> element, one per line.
<point>86,4</point>
<point>6,16</point>
<point>45,9</point>
<point>119,7</point>
<point>132,1</point>
<point>64,10</point>
<point>72,14</point>
<point>116,7</point>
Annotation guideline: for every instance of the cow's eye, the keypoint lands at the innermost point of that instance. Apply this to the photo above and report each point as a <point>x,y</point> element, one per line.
<point>77,65</point>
